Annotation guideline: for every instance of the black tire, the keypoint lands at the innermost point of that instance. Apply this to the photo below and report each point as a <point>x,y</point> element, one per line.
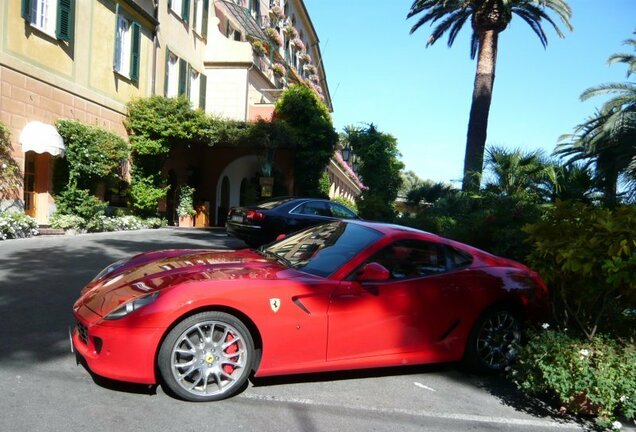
<point>494,341</point>
<point>207,357</point>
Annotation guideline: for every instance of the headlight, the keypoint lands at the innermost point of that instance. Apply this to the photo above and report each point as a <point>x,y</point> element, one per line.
<point>111,268</point>
<point>132,306</point>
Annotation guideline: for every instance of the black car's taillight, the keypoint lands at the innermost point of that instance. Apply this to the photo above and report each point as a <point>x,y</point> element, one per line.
<point>254,215</point>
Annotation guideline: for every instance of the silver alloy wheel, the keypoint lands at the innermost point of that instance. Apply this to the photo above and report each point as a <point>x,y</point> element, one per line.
<point>209,358</point>
<point>498,340</point>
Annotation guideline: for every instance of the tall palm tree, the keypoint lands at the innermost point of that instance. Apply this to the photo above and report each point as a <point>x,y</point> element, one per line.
<point>488,18</point>
<point>608,139</point>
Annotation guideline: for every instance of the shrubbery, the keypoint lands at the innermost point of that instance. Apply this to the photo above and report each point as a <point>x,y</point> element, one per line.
<point>592,377</point>
<point>17,225</point>
<point>102,223</point>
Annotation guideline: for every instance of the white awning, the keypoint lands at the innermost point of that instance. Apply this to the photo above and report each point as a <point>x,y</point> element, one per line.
<point>41,138</point>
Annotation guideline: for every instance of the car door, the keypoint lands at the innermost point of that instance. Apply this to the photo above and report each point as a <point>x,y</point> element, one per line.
<point>414,310</point>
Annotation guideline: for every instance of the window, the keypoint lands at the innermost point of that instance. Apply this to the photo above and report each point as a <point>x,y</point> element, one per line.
<point>127,46</point>
<point>313,208</point>
<point>172,75</point>
<point>459,258</point>
<point>200,17</point>
<point>181,8</point>
<point>53,17</point>
<point>183,80</point>
<point>408,259</point>
<point>340,211</point>
<point>232,33</point>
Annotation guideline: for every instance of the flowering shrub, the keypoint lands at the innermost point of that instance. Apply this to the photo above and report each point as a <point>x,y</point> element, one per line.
<point>595,377</point>
<point>273,36</point>
<point>259,48</point>
<point>103,223</point>
<point>278,69</point>
<point>17,225</point>
<point>290,31</point>
<point>277,12</point>
<point>298,44</point>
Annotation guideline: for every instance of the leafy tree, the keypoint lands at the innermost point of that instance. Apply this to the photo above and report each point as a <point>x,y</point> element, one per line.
<point>607,140</point>
<point>410,181</point>
<point>488,18</point>
<point>10,174</point>
<point>92,155</point>
<point>310,123</point>
<point>379,170</point>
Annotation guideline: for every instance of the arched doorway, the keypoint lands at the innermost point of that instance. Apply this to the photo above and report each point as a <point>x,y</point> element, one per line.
<point>224,203</point>
<point>245,167</point>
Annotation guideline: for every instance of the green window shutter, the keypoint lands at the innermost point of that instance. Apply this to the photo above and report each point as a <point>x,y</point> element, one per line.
<point>135,52</point>
<point>27,9</point>
<point>183,77</point>
<point>166,76</point>
<point>185,10</point>
<point>117,48</point>
<point>204,21</point>
<point>194,15</point>
<point>203,81</point>
<point>65,18</point>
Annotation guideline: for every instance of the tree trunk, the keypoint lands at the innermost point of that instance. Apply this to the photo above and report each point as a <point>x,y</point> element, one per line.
<point>478,120</point>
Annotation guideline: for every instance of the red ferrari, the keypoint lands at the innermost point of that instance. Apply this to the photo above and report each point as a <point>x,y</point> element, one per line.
<point>343,295</point>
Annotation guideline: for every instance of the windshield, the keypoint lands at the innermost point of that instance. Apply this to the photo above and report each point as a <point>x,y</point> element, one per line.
<point>323,249</point>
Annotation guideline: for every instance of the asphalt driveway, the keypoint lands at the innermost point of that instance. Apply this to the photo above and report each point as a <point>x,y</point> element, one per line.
<point>43,389</point>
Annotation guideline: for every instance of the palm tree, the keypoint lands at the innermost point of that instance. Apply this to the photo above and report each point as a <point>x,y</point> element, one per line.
<point>488,18</point>
<point>608,139</point>
<point>517,173</point>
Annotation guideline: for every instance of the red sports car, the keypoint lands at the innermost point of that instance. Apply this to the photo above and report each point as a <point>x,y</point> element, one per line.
<point>342,295</point>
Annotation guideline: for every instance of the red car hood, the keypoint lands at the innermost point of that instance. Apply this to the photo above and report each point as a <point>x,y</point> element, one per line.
<point>154,271</point>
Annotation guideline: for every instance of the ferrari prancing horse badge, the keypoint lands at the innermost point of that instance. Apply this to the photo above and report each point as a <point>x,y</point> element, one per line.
<point>274,303</point>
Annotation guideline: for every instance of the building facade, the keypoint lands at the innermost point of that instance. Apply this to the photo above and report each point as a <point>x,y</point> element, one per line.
<point>85,59</point>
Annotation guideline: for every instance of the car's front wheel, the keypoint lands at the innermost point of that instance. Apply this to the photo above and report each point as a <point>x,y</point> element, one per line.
<point>207,357</point>
<point>494,341</point>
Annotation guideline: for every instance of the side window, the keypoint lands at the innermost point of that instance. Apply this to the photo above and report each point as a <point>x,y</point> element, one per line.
<point>313,208</point>
<point>409,259</point>
<point>127,47</point>
<point>459,258</point>
<point>340,211</point>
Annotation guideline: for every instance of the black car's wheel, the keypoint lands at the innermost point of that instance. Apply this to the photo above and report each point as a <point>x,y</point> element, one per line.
<point>207,357</point>
<point>494,341</point>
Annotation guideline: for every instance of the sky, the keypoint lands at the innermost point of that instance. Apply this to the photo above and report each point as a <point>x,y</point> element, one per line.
<point>379,73</point>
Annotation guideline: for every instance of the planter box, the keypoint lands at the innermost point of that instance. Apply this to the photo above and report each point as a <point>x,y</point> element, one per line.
<point>186,221</point>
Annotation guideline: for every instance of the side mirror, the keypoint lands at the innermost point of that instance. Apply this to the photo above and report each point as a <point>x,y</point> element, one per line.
<point>373,272</point>
<point>279,237</point>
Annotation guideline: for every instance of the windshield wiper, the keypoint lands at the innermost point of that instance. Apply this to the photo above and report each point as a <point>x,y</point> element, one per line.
<point>277,257</point>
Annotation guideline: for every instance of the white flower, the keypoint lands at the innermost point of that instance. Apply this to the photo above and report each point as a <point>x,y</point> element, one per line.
<point>624,398</point>
<point>545,326</point>
<point>617,425</point>
<point>584,352</point>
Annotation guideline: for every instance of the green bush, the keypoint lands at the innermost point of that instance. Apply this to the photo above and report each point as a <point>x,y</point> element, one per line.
<point>79,202</point>
<point>587,256</point>
<point>487,221</point>
<point>17,225</point>
<point>186,201</point>
<point>596,377</point>
<point>347,203</point>
<point>67,222</point>
<point>145,194</point>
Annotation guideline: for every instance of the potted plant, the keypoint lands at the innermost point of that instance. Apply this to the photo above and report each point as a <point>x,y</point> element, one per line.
<point>298,44</point>
<point>273,36</point>
<point>185,209</point>
<point>259,48</point>
<point>279,69</point>
<point>290,31</point>
<point>277,13</point>
<point>304,57</point>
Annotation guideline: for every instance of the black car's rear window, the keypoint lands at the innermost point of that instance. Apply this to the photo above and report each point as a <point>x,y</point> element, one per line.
<point>270,204</point>
<point>325,248</point>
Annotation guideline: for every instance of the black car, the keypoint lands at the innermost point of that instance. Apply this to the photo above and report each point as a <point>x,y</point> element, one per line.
<point>263,222</point>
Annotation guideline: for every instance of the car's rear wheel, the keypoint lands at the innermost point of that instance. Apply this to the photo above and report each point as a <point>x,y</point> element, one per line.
<point>207,357</point>
<point>494,341</point>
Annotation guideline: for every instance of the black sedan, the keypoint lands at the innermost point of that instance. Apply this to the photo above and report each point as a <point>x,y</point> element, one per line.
<point>263,222</point>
